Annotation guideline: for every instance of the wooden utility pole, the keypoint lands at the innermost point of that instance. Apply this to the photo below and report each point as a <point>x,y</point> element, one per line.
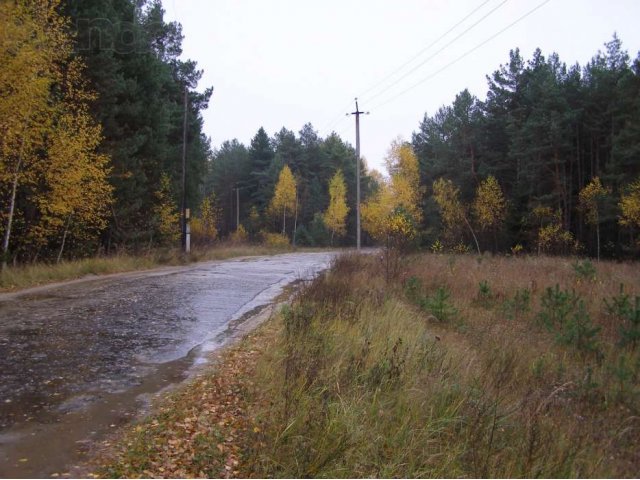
<point>184,210</point>
<point>357,113</point>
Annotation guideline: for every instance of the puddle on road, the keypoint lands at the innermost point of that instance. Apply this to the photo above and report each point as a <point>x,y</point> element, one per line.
<point>79,361</point>
<point>55,444</point>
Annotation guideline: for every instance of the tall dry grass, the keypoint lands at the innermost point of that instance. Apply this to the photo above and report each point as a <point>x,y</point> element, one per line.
<point>23,276</point>
<point>366,381</point>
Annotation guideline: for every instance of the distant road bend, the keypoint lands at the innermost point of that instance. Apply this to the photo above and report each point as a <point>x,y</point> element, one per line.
<point>77,359</point>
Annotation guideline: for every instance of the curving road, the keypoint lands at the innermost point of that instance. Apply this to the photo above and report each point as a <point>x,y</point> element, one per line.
<point>77,358</point>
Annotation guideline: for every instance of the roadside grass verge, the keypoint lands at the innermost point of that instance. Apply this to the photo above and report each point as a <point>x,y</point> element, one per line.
<point>24,276</point>
<point>457,366</point>
<point>199,430</point>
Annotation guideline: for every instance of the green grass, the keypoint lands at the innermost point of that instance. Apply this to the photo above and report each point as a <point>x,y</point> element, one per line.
<point>25,276</point>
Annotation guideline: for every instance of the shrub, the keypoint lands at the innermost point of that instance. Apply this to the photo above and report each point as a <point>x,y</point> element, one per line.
<point>439,305</point>
<point>578,331</point>
<point>518,304</point>
<point>413,289</point>
<point>584,270</point>
<point>304,238</point>
<point>461,249</point>
<point>565,313</point>
<point>240,235</point>
<point>485,296</point>
<point>437,247</point>
<point>557,305</point>
<point>628,313</point>
<point>318,231</point>
<point>274,239</point>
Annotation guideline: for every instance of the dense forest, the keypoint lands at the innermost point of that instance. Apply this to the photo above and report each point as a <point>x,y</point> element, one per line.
<point>91,99</point>
<point>563,143</point>
<point>548,163</point>
<point>91,120</point>
<point>111,71</point>
<point>255,171</point>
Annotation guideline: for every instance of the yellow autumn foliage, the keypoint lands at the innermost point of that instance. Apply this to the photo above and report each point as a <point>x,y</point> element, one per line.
<point>551,236</point>
<point>404,172</point>
<point>204,228</point>
<point>394,212</point>
<point>284,196</point>
<point>630,206</point>
<point>49,141</point>
<point>589,198</point>
<point>240,235</point>
<point>452,213</point>
<point>336,214</point>
<point>489,206</point>
<point>166,215</point>
<point>277,240</point>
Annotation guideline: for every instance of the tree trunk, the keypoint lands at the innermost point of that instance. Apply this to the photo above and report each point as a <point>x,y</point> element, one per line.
<point>12,207</point>
<point>598,239</point>
<point>472,233</point>
<point>64,239</point>
<point>295,221</point>
<point>12,203</point>
<point>473,163</point>
<point>284,220</point>
<point>387,254</point>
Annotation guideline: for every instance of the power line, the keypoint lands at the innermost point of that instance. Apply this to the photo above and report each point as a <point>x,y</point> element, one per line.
<point>464,32</point>
<point>430,76</point>
<point>344,130</point>
<point>424,49</point>
<point>338,124</point>
<point>339,117</point>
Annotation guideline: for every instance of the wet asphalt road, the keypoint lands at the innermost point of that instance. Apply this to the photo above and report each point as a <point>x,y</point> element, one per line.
<point>63,349</point>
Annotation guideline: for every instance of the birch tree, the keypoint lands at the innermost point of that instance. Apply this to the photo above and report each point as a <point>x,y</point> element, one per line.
<point>284,196</point>
<point>336,214</point>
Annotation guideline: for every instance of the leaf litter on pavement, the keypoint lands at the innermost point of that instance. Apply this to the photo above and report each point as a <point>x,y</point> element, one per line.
<point>201,429</point>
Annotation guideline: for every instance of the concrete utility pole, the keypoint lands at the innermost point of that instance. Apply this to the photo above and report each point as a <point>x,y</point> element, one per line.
<point>237,188</point>
<point>357,113</point>
<point>186,234</point>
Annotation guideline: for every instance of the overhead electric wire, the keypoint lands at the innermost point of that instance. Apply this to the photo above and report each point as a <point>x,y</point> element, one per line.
<point>431,57</point>
<point>338,118</point>
<point>344,130</point>
<point>424,49</point>
<point>468,52</point>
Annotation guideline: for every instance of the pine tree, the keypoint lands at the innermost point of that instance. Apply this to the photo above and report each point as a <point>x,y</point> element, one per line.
<point>261,155</point>
<point>133,63</point>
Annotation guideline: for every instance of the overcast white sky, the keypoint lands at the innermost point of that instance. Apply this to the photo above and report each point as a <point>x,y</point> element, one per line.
<point>287,62</point>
